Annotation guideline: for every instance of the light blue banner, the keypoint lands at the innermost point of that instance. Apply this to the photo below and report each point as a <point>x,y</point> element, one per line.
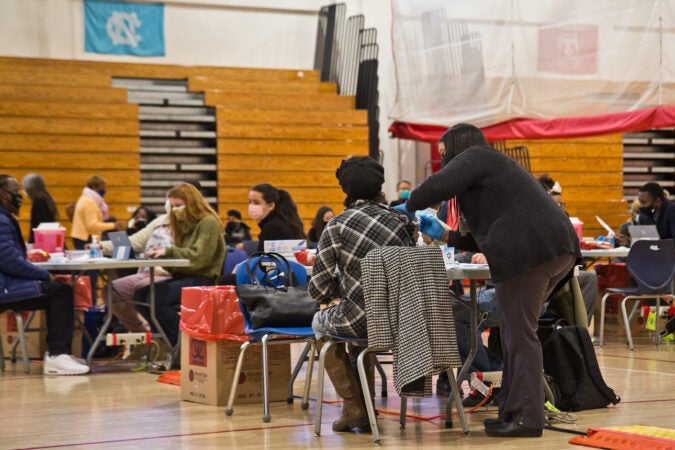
<point>124,28</point>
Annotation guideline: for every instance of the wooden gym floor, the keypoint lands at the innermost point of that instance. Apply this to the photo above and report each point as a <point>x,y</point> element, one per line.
<point>118,408</point>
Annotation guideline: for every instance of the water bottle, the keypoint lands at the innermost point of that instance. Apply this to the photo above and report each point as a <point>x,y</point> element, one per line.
<point>95,248</point>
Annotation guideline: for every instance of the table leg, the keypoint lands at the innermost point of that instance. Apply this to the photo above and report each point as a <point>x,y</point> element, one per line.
<point>151,299</point>
<point>472,353</point>
<point>108,318</point>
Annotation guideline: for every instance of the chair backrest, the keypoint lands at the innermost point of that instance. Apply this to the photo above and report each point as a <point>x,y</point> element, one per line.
<point>233,257</point>
<point>652,265</point>
<point>250,247</point>
<point>299,271</point>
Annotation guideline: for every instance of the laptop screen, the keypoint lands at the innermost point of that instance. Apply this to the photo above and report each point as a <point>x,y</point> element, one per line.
<point>643,232</point>
<point>121,244</point>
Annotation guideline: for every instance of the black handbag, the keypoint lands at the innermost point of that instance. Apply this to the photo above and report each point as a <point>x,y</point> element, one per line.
<point>274,301</point>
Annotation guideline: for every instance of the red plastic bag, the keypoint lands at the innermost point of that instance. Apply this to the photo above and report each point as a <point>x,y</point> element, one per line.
<point>82,290</point>
<point>211,313</point>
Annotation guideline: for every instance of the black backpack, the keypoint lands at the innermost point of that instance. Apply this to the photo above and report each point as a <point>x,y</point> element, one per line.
<point>573,372</point>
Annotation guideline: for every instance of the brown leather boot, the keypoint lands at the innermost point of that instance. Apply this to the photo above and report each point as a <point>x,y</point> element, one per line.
<point>347,386</point>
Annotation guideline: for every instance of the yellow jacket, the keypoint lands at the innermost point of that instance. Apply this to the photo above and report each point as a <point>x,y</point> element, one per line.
<point>88,220</point>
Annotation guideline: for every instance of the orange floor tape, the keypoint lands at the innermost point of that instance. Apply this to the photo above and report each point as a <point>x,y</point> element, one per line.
<point>170,377</point>
<point>628,438</point>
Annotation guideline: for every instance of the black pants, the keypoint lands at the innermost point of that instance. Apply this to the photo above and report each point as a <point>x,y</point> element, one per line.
<point>520,300</point>
<point>57,302</point>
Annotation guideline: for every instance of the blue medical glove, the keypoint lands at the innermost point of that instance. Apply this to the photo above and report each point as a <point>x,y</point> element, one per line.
<point>403,209</point>
<point>431,227</point>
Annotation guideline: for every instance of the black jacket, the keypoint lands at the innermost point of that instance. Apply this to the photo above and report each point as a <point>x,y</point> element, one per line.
<point>19,278</point>
<point>512,220</point>
<point>273,228</point>
<point>665,221</point>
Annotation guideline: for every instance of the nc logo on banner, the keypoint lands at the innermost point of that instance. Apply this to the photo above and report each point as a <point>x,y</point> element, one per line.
<point>124,28</point>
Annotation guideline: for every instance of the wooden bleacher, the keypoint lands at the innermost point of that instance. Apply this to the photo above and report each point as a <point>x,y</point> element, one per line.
<point>590,171</point>
<point>64,120</point>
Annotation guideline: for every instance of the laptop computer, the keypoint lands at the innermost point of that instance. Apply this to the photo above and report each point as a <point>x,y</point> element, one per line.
<point>121,244</point>
<point>647,232</point>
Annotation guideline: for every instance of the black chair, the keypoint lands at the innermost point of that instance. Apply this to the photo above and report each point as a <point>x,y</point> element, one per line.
<point>651,264</point>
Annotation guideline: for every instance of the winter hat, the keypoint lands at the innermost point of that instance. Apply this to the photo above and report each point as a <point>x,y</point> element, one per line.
<point>360,177</point>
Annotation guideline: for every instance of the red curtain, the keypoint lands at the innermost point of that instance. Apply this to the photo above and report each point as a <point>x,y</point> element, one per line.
<point>564,127</point>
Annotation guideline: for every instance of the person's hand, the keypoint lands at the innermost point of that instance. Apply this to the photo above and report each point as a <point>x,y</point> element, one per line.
<point>155,253</point>
<point>478,258</point>
<point>120,225</point>
<point>431,227</point>
<point>402,208</point>
<point>622,240</point>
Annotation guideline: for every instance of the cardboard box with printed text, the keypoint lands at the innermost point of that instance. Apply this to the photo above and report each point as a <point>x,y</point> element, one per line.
<point>207,368</point>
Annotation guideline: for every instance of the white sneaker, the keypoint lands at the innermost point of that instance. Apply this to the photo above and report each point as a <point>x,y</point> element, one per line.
<point>63,365</point>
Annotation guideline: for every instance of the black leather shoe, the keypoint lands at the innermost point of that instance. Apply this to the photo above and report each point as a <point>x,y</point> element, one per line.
<point>512,429</point>
<point>488,423</point>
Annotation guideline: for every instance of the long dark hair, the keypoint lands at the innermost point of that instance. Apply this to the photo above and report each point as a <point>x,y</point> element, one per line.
<point>35,187</point>
<point>317,223</point>
<point>284,206</point>
<point>459,138</point>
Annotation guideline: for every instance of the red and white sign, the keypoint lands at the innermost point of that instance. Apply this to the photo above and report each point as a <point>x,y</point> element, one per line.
<point>569,50</point>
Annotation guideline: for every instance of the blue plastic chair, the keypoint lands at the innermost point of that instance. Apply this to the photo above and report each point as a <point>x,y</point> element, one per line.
<point>233,257</point>
<point>273,335</point>
<point>652,266</point>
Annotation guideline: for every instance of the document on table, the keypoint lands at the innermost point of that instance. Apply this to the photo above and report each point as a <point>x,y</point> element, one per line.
<point>605,226</point>
<point>473,266</point>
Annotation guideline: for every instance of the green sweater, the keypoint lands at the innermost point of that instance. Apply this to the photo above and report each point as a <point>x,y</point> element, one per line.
<point>204,246</point>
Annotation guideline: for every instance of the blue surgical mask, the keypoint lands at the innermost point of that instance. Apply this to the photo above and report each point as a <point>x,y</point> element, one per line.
<point>101,192</point>
<point>405,194</point>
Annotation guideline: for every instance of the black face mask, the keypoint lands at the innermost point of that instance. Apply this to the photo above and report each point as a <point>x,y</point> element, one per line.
<point>16,200</point>
<point>648,211</point>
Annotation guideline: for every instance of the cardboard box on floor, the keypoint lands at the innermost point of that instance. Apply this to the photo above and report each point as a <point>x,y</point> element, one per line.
<point>207,368</point>
<point>35,340</point>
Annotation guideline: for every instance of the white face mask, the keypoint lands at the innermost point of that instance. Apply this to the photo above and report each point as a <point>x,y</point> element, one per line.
<point>167,206</point>
<point>256,212</point>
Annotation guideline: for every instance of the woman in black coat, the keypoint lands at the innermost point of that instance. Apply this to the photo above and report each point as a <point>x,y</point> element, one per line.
<point>276,214</point>
<point>530,246</point>
<point>44,207</point>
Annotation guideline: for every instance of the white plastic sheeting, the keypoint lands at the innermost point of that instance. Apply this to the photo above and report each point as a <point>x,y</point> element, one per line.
<point>490,61</point>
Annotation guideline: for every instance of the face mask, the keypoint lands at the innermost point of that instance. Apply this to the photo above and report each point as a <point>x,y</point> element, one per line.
<point>101,192</point>
<point>16,200</point>
<point>256,212</point>
<point>648,211</point>
<point>405,194</point>
<point>167,206</point>
<point>178,213</point>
